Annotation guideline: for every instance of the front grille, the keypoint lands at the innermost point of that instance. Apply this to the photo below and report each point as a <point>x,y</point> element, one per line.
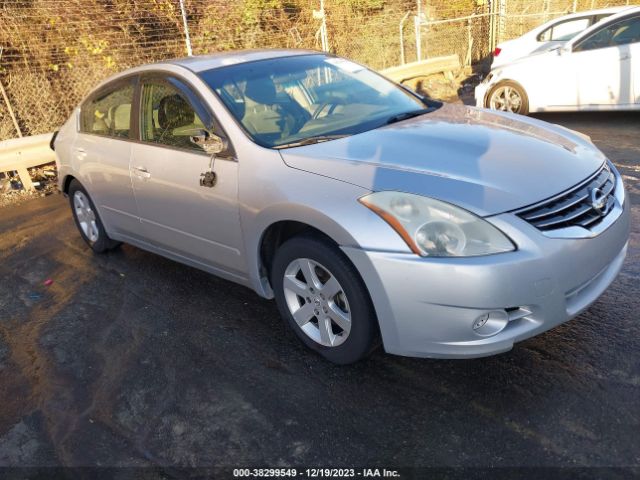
<point>574,207</point>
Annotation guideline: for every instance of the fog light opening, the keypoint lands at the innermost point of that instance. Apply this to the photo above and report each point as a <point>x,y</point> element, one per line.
<point>490,323</point>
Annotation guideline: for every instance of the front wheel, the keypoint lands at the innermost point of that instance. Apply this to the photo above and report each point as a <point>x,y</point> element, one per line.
<point>323,299</point>
<point>508,96</point>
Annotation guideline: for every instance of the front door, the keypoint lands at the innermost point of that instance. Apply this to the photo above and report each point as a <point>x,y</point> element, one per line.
<point>604,76</point>
<point>603,64</point>
<point>178,214</point>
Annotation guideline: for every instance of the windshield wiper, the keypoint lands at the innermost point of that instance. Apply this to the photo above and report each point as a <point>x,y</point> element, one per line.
<point>310,140</point>
<point>406,115</point>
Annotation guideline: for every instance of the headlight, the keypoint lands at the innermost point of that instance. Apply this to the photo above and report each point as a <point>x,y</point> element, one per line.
<point>437,229</point>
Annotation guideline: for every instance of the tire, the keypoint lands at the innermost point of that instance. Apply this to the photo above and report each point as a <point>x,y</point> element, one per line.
<point>87,220</point>
<point>500,91</point>
<point>352,340</point>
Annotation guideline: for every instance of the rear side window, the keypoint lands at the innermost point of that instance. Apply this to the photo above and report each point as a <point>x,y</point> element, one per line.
<point>564,31</point>
<point>620,33</point>
<point>109,112</point>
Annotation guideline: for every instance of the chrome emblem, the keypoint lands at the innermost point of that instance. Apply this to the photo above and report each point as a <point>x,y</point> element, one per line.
<point>599,201</point>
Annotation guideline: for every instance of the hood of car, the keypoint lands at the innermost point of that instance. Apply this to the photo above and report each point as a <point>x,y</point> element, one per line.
<point>487,162</point>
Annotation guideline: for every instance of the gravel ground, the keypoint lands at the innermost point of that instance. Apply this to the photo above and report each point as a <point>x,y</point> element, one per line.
<point>128,359</point>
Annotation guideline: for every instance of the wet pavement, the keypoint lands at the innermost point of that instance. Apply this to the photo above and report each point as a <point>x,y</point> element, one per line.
<point>129,359</point>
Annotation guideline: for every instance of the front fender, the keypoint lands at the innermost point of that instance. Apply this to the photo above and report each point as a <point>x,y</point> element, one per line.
<point>328,205</point>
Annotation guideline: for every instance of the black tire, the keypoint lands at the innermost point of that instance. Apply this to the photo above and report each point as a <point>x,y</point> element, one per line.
<point>524,104</point>
<point>363,337</point>
<point>103,242</point>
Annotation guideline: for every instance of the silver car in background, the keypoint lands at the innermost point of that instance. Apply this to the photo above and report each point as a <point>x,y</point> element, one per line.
<point>371,214</point>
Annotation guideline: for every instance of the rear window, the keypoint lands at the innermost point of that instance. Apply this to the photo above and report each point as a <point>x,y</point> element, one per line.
<point>109,112</point>
<point>564,31</point>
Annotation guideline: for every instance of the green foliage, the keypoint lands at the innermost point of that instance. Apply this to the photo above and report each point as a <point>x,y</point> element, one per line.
<point>253,10</point>
<point>365,5</point>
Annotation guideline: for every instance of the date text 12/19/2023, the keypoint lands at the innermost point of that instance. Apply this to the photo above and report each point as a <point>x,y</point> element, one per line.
<point>315,473</point>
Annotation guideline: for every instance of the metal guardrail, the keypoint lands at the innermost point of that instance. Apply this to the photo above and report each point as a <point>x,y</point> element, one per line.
<point>422,68</point>
<point>18,154</point>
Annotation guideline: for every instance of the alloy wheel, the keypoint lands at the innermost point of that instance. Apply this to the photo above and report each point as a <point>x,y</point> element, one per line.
<point>506,99</point>
<point>317,302</point>
<point>86,216</point>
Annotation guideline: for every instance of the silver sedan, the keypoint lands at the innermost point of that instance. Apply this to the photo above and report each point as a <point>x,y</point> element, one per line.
<point>371,214</point>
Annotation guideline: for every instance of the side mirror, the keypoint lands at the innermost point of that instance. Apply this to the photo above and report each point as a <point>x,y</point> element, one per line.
<point>210,142</point>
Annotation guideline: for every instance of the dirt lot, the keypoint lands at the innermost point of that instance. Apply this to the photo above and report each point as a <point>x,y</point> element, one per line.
<point>129,359</point>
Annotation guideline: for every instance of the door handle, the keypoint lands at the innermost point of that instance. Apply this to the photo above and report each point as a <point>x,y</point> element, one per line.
<point>141,172</point>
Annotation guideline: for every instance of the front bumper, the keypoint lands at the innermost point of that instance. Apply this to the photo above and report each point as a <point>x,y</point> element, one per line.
<point>480,93</point>
<point>427,307</point>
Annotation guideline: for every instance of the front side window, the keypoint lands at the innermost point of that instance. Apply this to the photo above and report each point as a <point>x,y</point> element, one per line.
<point>108,113</point>
<point>563,31</point>
<point>282,101</point>
<point>620,33</point>
<point>167,117</point>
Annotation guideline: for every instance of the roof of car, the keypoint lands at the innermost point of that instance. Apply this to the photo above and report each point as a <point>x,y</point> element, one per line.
<point>597,11</point>
<point>216,60</point>
<point>200,63</point>
<point>585,13</point>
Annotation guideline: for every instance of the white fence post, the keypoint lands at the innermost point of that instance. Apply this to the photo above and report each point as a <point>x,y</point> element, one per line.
<point>502,19</point>
<point>417,25</point>
<point>186,29</point>
<point>492,25</point>
<point>322,31</point>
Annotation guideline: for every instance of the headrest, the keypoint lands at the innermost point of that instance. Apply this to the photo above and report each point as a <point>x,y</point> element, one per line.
<point>175,112</point>
<point>120,116</point>
<point>261,90</point>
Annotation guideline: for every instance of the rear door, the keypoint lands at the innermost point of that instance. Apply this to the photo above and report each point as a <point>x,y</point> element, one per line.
<point>101,154</point>
<point>178,214</point>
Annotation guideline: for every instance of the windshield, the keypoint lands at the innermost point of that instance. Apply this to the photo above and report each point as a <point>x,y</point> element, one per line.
<point>285,101</point>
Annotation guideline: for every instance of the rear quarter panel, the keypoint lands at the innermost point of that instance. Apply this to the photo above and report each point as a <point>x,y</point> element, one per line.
<point>64,143</point>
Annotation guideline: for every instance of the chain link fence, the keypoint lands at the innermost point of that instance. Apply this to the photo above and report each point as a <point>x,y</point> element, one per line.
<point>53,51</point>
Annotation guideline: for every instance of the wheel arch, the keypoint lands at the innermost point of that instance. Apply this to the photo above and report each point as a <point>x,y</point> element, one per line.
<point>279,232</point>
<point>270,234</point>
<point>66,182</point>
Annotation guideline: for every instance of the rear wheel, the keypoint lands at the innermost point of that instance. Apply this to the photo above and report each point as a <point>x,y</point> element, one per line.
<point>508,96</point>
<point>323,299</point>
<point>87,219</point>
